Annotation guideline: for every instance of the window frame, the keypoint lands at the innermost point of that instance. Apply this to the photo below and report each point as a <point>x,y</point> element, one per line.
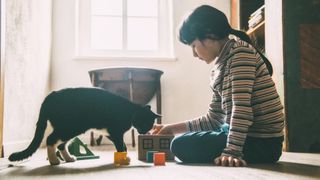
<point>83,41</point>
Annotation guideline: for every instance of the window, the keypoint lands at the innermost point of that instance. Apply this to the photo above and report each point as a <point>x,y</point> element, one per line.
<point>124,28</point>
<point>147,144</point>
<point>164,143</point>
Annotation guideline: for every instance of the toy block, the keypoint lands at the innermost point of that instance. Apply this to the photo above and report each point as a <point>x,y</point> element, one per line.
<point>74,149</point>
<point>159,159</point>
<point>159,143</point>
<point>120,158</point>
<point>149,156</point>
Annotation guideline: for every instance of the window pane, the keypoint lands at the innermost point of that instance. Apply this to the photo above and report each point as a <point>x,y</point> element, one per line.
<point>143,8</point>
<point>106,7</point>
<point>106,33</point>
<point>142,34</point>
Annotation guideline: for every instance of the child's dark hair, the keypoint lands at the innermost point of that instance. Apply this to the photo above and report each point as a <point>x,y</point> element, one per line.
<point>208,22</point>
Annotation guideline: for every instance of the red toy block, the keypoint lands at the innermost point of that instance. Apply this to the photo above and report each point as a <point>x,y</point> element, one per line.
<point>159,158</point>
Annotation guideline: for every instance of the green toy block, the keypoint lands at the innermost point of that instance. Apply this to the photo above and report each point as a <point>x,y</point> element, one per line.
<point>74,149</point>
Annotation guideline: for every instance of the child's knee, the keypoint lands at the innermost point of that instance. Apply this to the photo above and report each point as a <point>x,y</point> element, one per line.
<point>176,145</point>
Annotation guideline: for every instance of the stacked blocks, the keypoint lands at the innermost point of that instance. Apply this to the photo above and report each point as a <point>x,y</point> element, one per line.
<point>149,156</point>
<point>149,143</point>
<point>120,158</point>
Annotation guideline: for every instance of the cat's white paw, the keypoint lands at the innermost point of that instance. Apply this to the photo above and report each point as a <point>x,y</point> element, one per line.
<point>70,159</point>
<point>67,157</point>
<point>54,162</point>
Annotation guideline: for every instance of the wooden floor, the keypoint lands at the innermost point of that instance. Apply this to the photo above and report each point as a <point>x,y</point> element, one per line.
<point>291,166</point>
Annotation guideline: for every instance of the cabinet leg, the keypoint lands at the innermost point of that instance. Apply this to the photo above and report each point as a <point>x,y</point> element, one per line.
<point>133,139</point>
<point>92,139</point>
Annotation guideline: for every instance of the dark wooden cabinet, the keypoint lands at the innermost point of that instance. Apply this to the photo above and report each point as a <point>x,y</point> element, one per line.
<point>137,84</point>
<point>310,55</point>
<point>241,14</point>
<point>241,11</point>
<point>290,33</point>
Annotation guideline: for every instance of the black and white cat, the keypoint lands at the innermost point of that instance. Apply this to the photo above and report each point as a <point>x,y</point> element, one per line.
<point>72,111</point>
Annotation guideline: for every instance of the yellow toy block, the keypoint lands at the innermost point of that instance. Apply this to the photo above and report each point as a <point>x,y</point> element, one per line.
<point>120,158</point>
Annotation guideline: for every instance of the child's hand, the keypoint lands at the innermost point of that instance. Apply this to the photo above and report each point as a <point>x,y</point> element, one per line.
<point>156,128</point>
<point>161,129</point>
<point>229,161</point>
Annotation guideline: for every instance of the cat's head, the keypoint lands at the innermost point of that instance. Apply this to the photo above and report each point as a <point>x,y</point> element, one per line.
<point>144,119</point>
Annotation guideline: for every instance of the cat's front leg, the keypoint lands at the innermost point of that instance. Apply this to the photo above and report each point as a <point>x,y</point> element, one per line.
<point>120,146</point>
<point>118,142</point>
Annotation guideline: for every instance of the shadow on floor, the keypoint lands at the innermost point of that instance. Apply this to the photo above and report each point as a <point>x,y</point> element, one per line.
<point>281,167</point>
<point>60,170</point>
<point>291,168</point>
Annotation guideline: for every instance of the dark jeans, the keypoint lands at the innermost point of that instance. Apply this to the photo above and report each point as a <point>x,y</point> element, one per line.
<point>205,146</point>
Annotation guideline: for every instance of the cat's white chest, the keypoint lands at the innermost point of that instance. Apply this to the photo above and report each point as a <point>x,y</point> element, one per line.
<point>103,132</point>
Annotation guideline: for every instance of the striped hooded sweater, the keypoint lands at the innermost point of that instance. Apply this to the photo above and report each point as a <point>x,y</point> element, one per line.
<point>244,96</point>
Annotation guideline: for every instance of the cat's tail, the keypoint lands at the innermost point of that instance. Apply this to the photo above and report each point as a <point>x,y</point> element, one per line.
<point>38,136</point>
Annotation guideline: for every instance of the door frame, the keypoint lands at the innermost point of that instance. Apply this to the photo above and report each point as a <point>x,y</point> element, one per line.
<point>2,13</point>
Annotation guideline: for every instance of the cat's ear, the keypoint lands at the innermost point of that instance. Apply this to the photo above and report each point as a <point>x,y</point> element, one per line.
<point>147,107</point>
<point>157,115</point>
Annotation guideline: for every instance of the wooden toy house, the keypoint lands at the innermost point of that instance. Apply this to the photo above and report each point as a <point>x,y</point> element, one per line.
<point>159,143</point>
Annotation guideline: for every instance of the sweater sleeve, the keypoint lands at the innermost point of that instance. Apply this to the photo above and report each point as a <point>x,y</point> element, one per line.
<point>212,120</point>
<point>242,76</point>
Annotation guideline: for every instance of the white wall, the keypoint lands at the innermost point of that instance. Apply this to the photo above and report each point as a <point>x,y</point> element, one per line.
<point>274,43</point>
<point>185,82</point>
<point>27,68</point>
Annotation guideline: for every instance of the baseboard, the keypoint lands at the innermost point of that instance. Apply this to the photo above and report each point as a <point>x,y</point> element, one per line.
<point>10,147</point>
